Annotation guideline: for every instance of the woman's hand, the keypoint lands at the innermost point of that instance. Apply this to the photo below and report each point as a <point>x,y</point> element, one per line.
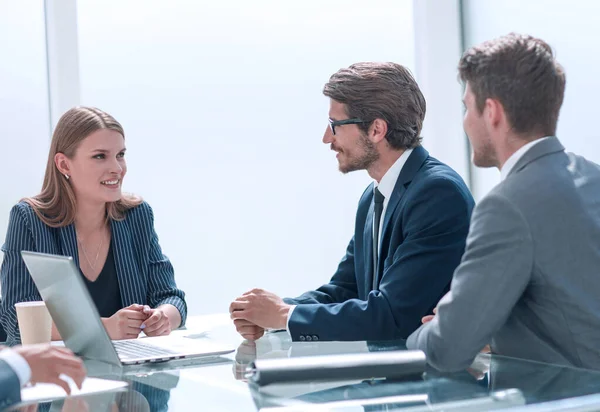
<point>126,323</point>
<point>157,323</point>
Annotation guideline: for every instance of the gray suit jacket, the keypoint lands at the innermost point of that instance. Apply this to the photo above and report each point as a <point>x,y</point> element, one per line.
<point>10,387</point>
<point>529,281</point>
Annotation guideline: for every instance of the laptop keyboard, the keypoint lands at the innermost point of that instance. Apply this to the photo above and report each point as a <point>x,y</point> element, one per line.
<point>137,349</point>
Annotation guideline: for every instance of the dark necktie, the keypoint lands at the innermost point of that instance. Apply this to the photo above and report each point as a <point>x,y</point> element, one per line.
<point>378,200</point>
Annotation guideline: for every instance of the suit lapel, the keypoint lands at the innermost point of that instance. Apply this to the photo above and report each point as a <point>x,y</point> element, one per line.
<point>131,288</point>
<point>68,240</point>
<point>127,274</point>
<point>408,172</point>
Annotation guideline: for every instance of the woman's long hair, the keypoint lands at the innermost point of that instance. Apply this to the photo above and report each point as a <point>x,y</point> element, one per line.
<point>56,204</point>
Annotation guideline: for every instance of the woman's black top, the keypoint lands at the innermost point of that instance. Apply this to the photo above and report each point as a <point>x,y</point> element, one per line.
<point>105,290</point>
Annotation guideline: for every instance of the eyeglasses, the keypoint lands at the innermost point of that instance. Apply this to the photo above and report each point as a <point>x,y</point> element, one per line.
<point>334,123</point>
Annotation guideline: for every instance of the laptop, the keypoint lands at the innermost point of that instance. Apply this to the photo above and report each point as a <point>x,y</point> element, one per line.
<point>75,315</point>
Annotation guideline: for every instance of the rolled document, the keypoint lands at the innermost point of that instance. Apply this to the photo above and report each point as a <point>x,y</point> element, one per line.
<point>392,364</point>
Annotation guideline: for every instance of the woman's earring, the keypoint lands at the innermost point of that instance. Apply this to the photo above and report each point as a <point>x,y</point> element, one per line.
<point>67,176</point>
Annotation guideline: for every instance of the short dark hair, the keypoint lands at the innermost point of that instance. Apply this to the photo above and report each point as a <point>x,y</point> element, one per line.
<point>386,91</point>
<point>521,72</point>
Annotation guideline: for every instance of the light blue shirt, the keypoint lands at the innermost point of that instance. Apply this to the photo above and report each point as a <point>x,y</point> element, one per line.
<point>18,364</point>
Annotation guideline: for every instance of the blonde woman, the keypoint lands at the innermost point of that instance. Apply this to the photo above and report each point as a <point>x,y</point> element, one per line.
<point>81,212</point>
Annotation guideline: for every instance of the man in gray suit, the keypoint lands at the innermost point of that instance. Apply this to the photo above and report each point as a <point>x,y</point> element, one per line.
<point>529,280</point>
<point>36,363</point>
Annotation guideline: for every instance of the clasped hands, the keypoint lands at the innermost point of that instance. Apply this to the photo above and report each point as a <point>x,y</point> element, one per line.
<point>128,322</point>
<point>429,318</point>
<point>257,310</point>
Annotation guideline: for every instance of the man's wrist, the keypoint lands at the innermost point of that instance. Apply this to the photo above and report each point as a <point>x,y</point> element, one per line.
<point>289,316</point>
<point>283,316</point>
<point>18,364</point>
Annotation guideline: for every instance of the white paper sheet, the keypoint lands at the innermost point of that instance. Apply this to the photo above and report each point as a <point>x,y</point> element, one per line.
<point>48,391</point>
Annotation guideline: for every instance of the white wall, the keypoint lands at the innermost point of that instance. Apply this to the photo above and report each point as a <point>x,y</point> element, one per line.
<point>223,112</point>
<point>24,119</point>
<point>571,28</point>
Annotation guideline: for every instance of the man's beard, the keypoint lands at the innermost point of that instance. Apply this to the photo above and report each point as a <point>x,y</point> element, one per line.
<point>367,157</point>
<point>485,156</point>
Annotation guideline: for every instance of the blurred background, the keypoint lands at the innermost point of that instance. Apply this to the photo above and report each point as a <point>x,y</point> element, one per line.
<point>223,112</point>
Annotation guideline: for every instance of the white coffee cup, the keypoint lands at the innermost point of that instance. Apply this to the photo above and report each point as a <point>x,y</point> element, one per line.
<point>34,321</point>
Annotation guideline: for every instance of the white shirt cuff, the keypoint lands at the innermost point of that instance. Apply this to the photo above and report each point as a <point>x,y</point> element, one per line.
<point>287,324</point>
<point>18,364</point>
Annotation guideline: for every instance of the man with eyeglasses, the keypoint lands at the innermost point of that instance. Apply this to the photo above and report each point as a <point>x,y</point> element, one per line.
<point>411,223</point>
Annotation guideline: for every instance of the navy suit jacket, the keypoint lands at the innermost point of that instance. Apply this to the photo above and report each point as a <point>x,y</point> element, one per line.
<point>422,240</point>
<point>145,275</point>
<point>10,387</point>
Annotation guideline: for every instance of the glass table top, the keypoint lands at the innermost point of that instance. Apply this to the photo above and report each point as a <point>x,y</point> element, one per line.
<point>218,383</point>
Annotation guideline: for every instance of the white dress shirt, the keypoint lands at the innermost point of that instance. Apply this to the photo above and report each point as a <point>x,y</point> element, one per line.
<point>18,364</point>
<point>386,187</point>
<point>514,158</point>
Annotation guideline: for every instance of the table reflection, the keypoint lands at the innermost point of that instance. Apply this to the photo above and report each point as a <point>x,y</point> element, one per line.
<point>207,384</point>
<point>145,393</point>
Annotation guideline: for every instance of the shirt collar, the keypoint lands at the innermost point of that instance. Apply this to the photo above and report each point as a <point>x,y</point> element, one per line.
<point>388,181</point>
<point>514,158</point>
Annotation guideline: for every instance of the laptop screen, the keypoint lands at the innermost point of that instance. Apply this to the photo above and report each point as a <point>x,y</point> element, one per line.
<point>70,305</point>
